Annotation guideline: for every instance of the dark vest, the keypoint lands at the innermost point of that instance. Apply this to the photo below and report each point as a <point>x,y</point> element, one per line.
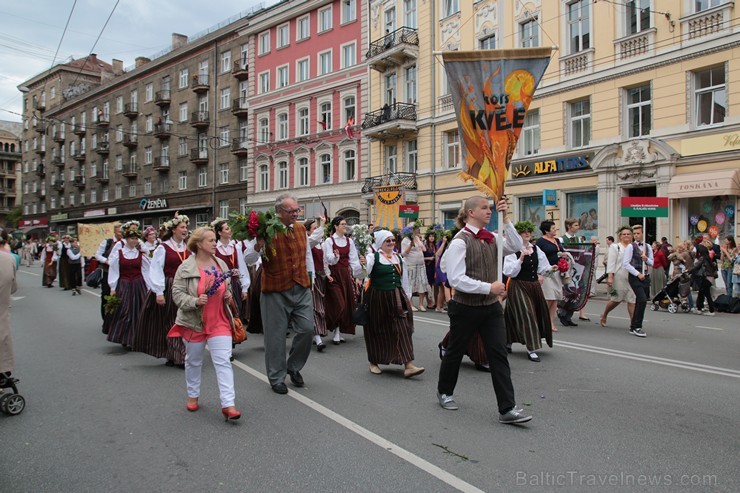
<point>529,268</point>
<point>75,251</point>
<point>385,277</point>
<point>481,264</point>
<point>636,260</point>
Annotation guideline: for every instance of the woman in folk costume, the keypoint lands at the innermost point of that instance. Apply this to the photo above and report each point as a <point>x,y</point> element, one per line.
<point>527,316</point>
<point>318,288</point>
<point>151,241</point>
<point>49,254</point>
<point>390,320</point>
<point>63,261</point>
<point>340,254</point>
<point>160,311</point>
<point>75,266</point>
<point>128,275</point>
<point>252,311</point>
<point>231,253</point>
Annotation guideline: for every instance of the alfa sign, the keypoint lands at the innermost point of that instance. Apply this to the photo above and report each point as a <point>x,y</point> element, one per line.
<point>644,206</point>
<point>152,204</point>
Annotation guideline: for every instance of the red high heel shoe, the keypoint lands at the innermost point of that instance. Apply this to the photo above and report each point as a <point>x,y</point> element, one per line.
<point>230,415</point>
<point>192,407</point>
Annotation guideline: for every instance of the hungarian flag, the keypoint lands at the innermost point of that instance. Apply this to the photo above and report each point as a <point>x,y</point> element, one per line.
<point>491,92</point>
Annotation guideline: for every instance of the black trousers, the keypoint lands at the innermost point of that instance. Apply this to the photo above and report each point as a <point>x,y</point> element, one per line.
<point>488,321</point>
<point>705,292</point>
<point>565,315</point>
<point>642,295</point>
<point>104,291</point>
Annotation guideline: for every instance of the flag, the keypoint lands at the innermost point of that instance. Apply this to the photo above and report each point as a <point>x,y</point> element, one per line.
<point>491,92</point>
<point>578,286</point>
<point>387,200</point>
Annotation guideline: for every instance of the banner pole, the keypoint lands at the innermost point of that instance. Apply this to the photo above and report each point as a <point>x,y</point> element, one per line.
<point>644,243</point>
<point>500,246</point>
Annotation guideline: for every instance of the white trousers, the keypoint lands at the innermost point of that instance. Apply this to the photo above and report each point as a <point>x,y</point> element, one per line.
<point>220,348</point>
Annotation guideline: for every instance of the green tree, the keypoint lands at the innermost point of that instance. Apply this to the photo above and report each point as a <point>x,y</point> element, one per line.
<point>13,217</point>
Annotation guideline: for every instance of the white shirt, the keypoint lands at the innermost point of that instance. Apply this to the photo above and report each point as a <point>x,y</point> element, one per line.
<point>147,247</point>
<point>316,237</point>
<point>156,269</point>
<point>394,260</point>
<point>114,269</point>
<point>331,259</point>
<point>614,257</point>
<point>628,258</point>
<point>101,250</point>
<point>241,266</point>
<point>453,260</point>
<point>512,266</point>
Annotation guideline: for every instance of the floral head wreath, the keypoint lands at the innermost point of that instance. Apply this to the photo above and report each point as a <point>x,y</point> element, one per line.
<point>215,222</point>
<point>51,238</point>
<point>524,226</point>
<point>132,233</point>
<point>130,224</point>
<point>172,223</point>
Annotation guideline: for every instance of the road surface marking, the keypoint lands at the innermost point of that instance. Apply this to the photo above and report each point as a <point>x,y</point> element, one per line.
<point>91,292</point>
<point>29,273</point>
<point>710,328</point>
<point>16,298</point>
<point>389,446</point>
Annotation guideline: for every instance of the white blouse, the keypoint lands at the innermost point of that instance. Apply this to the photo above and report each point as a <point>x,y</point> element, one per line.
<point>156,269</point>
<point>331,259</point>
<point>241,266</point>
<point>512,266</point>
<point>114,266</point>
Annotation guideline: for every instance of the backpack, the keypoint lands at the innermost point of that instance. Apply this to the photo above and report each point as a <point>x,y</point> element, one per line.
<point>722,303</point>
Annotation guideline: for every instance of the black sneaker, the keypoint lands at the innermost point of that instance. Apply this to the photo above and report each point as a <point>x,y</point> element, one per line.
<point>638,332</point>
<point>280,388</point>
<point>296,378</point>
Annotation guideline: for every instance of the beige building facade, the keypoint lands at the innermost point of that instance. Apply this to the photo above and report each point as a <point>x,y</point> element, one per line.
<point>639,99</point>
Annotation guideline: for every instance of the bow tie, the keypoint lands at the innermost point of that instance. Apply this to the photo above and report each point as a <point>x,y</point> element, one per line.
<point>482,234</point>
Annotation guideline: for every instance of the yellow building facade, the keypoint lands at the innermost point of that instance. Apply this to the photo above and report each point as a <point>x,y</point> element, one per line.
<point>640,99</point>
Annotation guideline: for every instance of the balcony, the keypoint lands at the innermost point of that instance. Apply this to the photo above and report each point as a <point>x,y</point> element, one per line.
<point>103,176</point>
<point>161,164</point>
<point>240,107</point>
<point>239,147</point>
<point>579,63</point>
<point>129,172</point>
<point>393,49</point>
<point>79,182</point>
<point>131,110</point>
<point>79,130</point>
<point>40,170</point>
<point>162,131</point>
<point>103,148</point>
<point>41,128</point>
<point>635,45</point>
<point>199,156</point>
<point>406,180</point>
<point>41,193</point>
<point>59,136</point>
<point>57,161</point>
<point>79,156</point>
<point>103,121</point>
<point>241,70</point>
<point>200,119</point>
<point>199,83</point>
<point>708,22</point>
<point>130,141</point>
<point>39,105</point>
<point>392,121</point>
<point>40,150</point>
<point>162,98</point>
<point>58,186</point>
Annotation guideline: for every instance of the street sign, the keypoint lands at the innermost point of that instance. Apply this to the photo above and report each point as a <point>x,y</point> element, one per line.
<point>644,206</point>
<point>408,211</point>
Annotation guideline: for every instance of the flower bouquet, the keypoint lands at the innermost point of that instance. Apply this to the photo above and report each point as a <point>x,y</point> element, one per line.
<point>265,225</point>
<point>407,231</point>
<point>218,279</point>
<point>111,304</point>
<point>362,238</point>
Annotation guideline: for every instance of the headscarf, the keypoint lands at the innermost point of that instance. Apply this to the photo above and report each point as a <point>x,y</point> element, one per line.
<point>380,237</point>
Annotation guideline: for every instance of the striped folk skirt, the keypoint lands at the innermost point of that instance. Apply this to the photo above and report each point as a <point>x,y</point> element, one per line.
<point>123,323</point>
<point>318,292</point>
<point>252,311</point>
<point>341,300</point>
<point>526,315</point>
<point>389,329</point>
<point>50,273</point>
<point>155,322</point>
<point>475,351</point>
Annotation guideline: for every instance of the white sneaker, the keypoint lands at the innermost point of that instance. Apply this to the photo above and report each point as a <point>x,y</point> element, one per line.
<point>708,314</point>
<point>414,309</point>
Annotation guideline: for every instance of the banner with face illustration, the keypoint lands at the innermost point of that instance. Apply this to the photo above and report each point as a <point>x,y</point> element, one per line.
<point>491,91</point>
<point>577,281</point>
<point>388,198</point>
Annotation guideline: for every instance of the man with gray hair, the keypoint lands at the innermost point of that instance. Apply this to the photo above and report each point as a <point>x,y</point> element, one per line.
<point>286,296</point>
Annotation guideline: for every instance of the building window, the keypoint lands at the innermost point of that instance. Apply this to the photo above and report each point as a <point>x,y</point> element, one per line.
<point>325,16</point>
<point>487,43</point>
<point>350,167</point>
<point>349,108</point>
<point>223,208</point>
<point>580,123</point>
<point>390,89</point>
<point>183,113</point>
<point>223,173</point>
<point>710,96</point>
<point>264,82</point>
<point>348,55</point>
<point>701,5</point>
<point>264,178</point>
<point>391,159</point>
<point>410,74</point>
<point>303,127</point>
<point>452,149</point>
<point>119,104</point>
<point>349,10</point>
<point>325,109</point>
<point>264,43</point>
<point>243,206</point>
<point>303,172</point>
<point>325,63</point>
<point>243,169</point>
<point>226,61</point>
<point>302,70</point>
<point>148,92</point>
<point>411,156</point>
<point>282,76</point>
<point>203,176</point>
<point>282,126</point>
<point>325,168</point>
<point>182,180</point>
<point>149,124</point>
<point>264,130</point>
<point>638,15</point>
<point>303,28</point>
<point>201,220</point>
<point>105,194</point>
<point>182,146</point>
<point>639,111</point>
<point>450,7</point>
<point>148,155</point>
<point>147,186</point>
<point>132,190</point>
<point>93,196</point>
<point>183,79</point>
<point>585,207</point>
<point>118,192</point>
<point>531,133</point>
<point>119,163</point>
<point>709,210</point>
<point>282,177</point>
<point>579,26</point>
<point>164,184</point>
<point>283,36</point>
<point>531,209</point>
<point>225,98</point>
<point>409,13</point>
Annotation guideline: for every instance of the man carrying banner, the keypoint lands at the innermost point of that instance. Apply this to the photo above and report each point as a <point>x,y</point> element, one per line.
<point>571,229</point>
<point>636,255</point>
<point>471,267</point>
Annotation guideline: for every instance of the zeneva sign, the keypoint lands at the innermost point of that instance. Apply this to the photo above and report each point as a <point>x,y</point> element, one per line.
<point>152,204</point>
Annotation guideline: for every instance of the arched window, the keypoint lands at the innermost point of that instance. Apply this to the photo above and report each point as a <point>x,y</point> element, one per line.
<point>352,216</point>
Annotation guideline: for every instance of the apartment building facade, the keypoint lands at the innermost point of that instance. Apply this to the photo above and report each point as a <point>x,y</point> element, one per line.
<point>10,169</point>
<point>636,101</point>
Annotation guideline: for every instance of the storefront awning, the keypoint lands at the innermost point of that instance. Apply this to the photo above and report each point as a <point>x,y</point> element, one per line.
<point>27,229</point>
<point>707,184</point>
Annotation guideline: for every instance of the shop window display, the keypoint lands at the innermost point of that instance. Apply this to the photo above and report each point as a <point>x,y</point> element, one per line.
<point>584,206</point>
<point>713,215</point>
<point>532,210</point>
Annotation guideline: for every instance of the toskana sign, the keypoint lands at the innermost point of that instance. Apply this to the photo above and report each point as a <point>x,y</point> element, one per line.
<point>644,206</point>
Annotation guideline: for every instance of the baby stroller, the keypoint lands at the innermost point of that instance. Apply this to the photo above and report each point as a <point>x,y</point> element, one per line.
<point>10,403</point>
<point>674,295</point>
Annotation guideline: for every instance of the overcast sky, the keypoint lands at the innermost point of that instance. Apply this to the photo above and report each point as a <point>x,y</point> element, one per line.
<point>31,30</point>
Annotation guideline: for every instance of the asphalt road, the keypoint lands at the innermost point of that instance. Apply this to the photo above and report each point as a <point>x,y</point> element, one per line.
<point>612,412</point>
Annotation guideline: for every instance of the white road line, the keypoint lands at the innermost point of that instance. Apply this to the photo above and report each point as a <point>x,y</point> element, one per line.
<point>710,328</point>
<point>389,446</point>
<point>91,292</point>
<point>17,298</point>
<point>29,273</point>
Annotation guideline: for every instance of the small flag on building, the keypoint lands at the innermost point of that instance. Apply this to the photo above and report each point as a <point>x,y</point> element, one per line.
<point>408,211</point>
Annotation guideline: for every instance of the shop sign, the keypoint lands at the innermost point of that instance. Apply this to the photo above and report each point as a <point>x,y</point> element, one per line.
<point>710,144</point>
<point>152,204</point>
<point>552,166</point>
<point>408,211</point>
<point>550,197</point>
<point>25,223</point>
<point>644,206</point>
<point>94,213</point>
<point>112,211</point>
<point>59,217</point>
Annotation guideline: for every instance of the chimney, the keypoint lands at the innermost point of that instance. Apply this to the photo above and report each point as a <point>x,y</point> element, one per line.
<point>117,66</point>
<point>141,60</point>
<point>178,40</point>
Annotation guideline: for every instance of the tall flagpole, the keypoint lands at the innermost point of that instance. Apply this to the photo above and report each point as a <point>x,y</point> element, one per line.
<point>500,246</point>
